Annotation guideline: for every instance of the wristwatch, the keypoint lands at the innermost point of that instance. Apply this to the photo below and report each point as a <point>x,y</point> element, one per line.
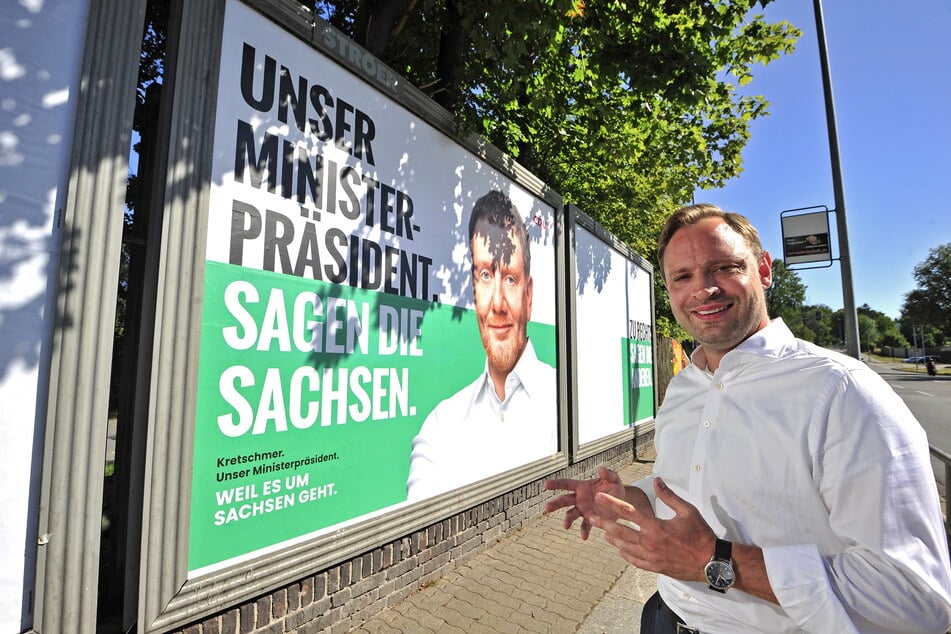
<point>719,570</point>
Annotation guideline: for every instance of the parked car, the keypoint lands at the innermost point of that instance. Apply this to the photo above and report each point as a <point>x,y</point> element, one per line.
<point>916,359</point>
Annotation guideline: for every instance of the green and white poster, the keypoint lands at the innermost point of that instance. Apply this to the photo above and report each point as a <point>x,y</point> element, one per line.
<point>340,308</point>
<point>614,330</point>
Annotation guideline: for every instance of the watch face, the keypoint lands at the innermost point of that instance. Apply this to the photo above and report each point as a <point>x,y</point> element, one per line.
<point>720,574</point>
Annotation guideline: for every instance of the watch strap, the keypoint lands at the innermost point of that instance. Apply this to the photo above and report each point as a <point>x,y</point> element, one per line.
<point>722,560</point>
<point>723,550</point>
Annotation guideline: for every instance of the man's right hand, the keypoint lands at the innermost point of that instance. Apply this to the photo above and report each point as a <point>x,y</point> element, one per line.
<point>580,499</point>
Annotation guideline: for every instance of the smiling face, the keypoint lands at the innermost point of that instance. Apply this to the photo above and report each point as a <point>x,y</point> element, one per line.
<point>503,296</point>
<point>717,285</point>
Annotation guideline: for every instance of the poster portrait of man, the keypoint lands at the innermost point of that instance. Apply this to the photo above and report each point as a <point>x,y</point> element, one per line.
<point>508,415</point>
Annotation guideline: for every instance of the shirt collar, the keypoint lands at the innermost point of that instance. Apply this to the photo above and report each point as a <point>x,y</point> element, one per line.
<point>769,341</point>
<point>521,375</point>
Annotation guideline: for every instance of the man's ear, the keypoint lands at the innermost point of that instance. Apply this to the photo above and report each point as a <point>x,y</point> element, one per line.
<point>528,295</point>
<point>765,269</point>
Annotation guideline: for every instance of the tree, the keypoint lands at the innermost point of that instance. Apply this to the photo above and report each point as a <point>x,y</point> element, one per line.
<point>868,332</point>
<point>624,108</point>
<point>818,320</point>
<point>786,298</point>
<point>886,330</point>
<point>818,324</point>
<point>929,304</point>
<point>918,334</point>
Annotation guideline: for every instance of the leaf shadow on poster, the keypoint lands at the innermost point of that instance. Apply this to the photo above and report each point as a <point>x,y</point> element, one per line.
<point>594,266</point>
<point>456,280</point>
<point>32,157</point>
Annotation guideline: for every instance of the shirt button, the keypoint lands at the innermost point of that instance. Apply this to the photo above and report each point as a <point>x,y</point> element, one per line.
<point>696,467</point>
<point>707,423</point>
<point>719,386</point>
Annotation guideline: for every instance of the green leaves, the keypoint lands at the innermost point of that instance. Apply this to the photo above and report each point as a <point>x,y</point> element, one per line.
<point>626,108</point>
<point>929,304</point>
<point>786,296</point>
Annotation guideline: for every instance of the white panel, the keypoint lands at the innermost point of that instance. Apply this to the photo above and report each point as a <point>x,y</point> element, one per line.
<point>40,58</point>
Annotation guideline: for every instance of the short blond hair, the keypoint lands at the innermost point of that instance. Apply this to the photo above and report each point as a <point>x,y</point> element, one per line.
<point>692,214</point>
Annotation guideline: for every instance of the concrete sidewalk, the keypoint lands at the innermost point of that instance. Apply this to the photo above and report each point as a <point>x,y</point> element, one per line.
<point>539,579</point>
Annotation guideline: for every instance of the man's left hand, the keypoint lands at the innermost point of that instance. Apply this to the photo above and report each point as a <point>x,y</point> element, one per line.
<point>679,547</point>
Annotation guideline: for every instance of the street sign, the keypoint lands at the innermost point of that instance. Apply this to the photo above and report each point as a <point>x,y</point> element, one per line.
<point>806,237</point>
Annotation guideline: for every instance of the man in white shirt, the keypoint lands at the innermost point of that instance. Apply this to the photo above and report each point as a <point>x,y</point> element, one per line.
<point>508,416</point>
<point>793,489</point>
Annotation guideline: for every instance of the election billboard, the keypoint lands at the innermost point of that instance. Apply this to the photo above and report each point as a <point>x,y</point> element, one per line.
<point>355,342</point>
<point>613,317</point>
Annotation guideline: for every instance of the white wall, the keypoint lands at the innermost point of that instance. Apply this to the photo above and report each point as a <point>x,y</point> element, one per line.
<point>40,60</point>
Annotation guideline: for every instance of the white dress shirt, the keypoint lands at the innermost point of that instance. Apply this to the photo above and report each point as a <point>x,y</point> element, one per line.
<point>473,434</point>
<point>809,455</point>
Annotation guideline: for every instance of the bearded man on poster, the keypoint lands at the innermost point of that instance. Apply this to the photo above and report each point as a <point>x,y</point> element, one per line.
<point>508,416</point>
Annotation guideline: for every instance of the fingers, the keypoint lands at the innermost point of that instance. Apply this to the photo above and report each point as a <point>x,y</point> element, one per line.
<point>560,502</point>
<point>627,538</point>
<point>609,474</point>
<point>579,499</point>
<point>571,515</point>
<point>671,546</point>
<point>623,536</point>
<point>619,507</point>
<point>561,484</point>
<point>570,484</point>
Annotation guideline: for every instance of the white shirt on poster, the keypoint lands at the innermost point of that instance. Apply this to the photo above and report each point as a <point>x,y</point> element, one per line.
<point>473,434</point>
<point>811,456</point>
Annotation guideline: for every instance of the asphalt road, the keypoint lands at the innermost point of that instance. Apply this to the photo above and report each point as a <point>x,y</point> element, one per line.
<point>929,399</point>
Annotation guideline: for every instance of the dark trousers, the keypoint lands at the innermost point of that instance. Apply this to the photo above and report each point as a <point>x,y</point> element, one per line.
<point>657,618</point>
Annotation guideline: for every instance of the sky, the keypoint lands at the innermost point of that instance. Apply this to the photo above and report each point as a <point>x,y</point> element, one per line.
<point>890,64</point>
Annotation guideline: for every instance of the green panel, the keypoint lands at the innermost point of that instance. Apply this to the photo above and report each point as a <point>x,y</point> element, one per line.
<point>638,380</point>
<point>290,441</point>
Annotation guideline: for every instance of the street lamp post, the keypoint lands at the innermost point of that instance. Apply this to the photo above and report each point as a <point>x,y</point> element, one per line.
<point>845,261</point>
